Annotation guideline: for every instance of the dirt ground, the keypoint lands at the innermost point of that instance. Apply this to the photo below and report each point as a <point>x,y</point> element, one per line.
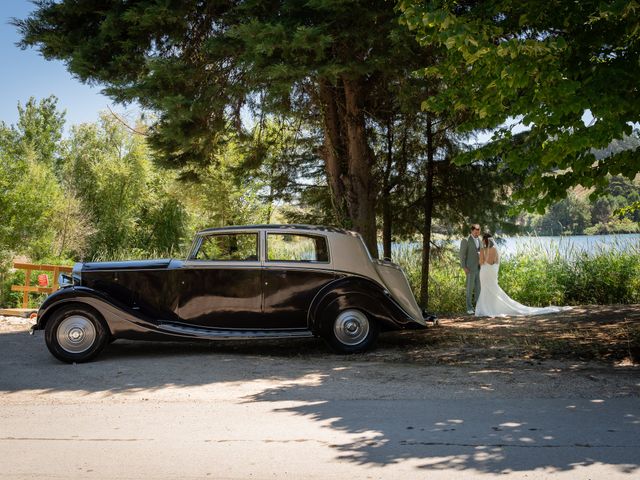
<point>608,334</point>
<point>602,333</point>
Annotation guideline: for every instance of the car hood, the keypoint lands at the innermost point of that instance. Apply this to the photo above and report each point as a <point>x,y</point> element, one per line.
<point>126,265</point>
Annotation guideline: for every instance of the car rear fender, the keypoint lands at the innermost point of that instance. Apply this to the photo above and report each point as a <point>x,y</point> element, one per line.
<point>359,293</point>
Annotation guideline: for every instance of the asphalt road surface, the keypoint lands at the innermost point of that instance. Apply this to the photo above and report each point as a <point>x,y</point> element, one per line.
<point>247,411</point>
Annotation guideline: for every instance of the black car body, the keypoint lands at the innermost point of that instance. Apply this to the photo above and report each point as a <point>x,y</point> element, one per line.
<point>260,281</point>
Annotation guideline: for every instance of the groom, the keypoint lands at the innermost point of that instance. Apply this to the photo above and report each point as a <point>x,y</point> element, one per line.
<point>470,262</point>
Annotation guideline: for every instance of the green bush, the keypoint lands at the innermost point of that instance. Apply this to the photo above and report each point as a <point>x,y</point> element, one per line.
<point>8,277</point>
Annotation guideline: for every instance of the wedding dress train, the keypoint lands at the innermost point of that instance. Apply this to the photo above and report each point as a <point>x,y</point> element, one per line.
<point>494,302</point>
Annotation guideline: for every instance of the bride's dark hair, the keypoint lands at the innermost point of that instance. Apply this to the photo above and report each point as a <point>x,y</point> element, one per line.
<point>486,240</point>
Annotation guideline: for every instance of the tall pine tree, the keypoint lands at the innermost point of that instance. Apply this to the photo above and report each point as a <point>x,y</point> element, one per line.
<point>199,63</point>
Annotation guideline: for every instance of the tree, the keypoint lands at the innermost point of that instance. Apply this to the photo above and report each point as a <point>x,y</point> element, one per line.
<point>601,211</point>
<point>217,195</point>
<point>543,64</point>
<point>280,160</point>
<point>130,204</point>
<point>29,192</point>
<point>198,63</point>
<point>40,127</point>
<point>570,216</point>
<point>30,198</point>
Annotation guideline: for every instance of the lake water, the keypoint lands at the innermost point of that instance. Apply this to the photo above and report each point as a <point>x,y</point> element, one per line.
<point>569,245</point>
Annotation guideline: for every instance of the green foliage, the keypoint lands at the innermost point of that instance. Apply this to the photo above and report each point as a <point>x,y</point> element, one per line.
<point>289,179</point>
<point>623,225</point>
<point>8,277</point>
<point>196,64</point>
<point>544,64</point>
<point>217,195</point>
<point>610,212</point>
<point>39,129</point>
<point>568,216</point>
<point>445,275</point>
<point>629,209</point>
<point>29,190</point>
<point>108,171</point>
<point>534,280</point>
<point>103,196</point>
<point>130,204</point>
<point>620,200</point>
<point>604,278</point>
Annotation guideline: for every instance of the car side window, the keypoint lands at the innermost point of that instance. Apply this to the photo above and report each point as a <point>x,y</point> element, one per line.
<point>229,247</point>
<point>289,247</point>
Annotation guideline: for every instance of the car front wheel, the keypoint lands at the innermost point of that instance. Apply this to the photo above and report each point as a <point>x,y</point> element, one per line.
<point>352,332</point>
<point>75,334</point>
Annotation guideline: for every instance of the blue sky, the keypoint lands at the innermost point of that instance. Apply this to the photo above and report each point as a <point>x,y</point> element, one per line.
<point>27,74</point>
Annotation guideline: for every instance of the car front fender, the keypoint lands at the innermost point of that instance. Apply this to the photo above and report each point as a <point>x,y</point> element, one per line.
<point>118,317</point>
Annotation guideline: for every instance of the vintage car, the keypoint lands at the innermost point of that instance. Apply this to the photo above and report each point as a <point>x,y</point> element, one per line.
<point>259,281</point>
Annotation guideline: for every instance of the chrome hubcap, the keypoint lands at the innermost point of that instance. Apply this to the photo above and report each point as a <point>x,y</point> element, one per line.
<point>76,334</point>
<point>351,327</point>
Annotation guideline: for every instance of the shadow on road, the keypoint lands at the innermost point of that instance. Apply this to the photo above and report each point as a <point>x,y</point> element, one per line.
<point>489,436</point>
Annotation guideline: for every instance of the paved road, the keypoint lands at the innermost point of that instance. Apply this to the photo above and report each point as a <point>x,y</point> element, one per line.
<point>234,411</point>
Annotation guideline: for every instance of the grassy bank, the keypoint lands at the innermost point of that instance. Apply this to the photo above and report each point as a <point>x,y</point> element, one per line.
<point>535,277</point>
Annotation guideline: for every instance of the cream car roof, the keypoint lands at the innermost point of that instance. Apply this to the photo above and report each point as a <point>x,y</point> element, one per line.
<point>347,251</point>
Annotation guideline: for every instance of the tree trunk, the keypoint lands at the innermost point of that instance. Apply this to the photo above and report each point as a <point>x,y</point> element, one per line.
<point>334,151</point>
<point>386,194</point>
<point>348,157</point>
<point>361,194</point>
<point>427,207</point>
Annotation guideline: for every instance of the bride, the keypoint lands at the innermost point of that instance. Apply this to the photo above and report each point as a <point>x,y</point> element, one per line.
<point>493,301</point>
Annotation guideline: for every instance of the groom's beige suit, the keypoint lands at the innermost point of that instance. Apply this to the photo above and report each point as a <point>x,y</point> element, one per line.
<point>470,258</point>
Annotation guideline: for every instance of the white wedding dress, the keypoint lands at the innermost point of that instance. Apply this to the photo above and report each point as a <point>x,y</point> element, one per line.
<point>494,302</point>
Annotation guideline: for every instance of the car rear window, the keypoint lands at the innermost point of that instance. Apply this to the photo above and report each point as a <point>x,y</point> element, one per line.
<point>288,247</point>
<point>229,247</point>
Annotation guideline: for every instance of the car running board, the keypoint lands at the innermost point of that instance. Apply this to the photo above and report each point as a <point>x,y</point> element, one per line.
<point>231,334</point>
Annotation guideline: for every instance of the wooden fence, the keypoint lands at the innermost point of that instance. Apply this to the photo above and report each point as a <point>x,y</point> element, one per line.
<point>28,288</point>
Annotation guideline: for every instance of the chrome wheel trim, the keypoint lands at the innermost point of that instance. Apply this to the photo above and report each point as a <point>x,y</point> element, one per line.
<point>76,334</point>
<point>351,327</point>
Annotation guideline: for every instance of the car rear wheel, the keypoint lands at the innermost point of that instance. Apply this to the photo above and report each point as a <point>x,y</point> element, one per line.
<point>352,332</point>
<point>75,334</point>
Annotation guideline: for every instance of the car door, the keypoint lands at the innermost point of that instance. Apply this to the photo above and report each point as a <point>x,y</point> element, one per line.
<point>221,284</point>
<point>297,266</point>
